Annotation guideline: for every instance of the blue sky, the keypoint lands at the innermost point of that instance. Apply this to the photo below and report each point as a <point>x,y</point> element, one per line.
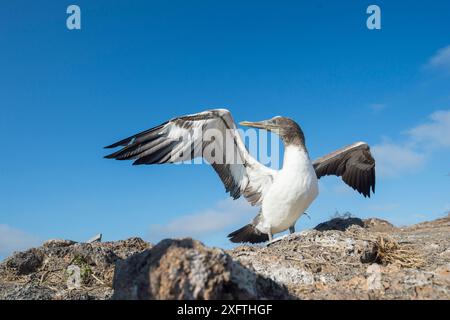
<point>66,94</point>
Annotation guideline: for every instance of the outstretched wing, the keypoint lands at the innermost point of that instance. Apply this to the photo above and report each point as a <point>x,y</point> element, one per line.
<point>353,163</point>
<point>210,134</point>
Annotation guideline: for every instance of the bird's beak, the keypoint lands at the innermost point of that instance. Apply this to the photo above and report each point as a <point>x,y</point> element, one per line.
<point>266,124</point>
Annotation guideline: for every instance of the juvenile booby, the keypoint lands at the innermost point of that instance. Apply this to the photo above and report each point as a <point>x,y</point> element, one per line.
<point>283,195</point>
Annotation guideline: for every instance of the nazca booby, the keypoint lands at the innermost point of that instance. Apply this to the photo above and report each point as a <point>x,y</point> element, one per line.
<point>283,195</point>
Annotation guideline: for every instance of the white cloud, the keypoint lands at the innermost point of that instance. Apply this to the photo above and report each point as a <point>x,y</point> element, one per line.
<point>441,59</point>
<point>222,216</point>
<point>411,154</point>
<point>12,239</point>
<point>393,160</point>
<point>435,133</point>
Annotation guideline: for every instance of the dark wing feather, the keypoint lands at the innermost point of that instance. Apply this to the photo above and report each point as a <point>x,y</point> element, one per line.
<point>138,138</point>
<point>354,164</point>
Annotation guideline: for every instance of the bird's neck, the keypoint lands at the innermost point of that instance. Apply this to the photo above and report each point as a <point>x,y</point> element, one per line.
<point>295,157</point>
<point>293,135</point>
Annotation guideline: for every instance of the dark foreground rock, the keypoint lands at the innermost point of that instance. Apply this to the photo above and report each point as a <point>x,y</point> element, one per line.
<point>344,258</point>
<point>186,269</point>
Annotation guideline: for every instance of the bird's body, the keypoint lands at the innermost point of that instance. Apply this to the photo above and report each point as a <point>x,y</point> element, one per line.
<point>283,195</point>
<point>294,188</point>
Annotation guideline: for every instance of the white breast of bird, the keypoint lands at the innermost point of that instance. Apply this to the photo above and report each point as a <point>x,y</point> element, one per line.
<point>294,188</point>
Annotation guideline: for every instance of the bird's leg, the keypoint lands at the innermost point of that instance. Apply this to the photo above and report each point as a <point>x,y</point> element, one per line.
<point>270,236</point>
<point>292,229</point>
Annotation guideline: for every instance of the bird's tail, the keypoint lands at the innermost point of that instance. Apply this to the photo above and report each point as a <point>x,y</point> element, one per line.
<point>248,233</point>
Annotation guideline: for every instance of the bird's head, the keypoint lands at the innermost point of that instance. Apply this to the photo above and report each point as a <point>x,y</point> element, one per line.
<point>286,128</point>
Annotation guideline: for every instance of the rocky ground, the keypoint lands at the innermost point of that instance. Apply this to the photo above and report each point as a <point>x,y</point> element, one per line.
<point>344,258</point>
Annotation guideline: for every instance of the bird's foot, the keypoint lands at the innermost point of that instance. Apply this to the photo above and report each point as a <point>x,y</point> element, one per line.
<point>270,242</point>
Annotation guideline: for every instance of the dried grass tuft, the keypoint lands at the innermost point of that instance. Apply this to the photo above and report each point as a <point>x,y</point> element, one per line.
<point>389,251</point>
